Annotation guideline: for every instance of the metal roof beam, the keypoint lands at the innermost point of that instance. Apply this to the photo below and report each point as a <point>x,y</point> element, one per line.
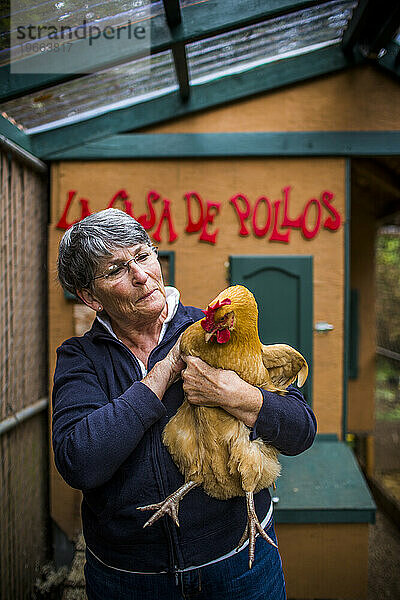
<point>174,19</point>
<point>355,27</point>
<point>390,61</point>
<point>172,12</point>
<point>220,91</point>
<point>181,70</point>
<point>199,21</point>
<point>371,28</point>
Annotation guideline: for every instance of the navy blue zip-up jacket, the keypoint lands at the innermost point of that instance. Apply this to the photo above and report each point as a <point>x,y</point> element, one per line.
<point>107,428</point>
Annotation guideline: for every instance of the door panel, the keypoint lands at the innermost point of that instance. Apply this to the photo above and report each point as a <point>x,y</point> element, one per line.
<point>282,286</point>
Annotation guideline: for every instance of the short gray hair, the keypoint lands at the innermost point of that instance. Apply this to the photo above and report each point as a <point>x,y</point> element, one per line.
<point>86,244</point>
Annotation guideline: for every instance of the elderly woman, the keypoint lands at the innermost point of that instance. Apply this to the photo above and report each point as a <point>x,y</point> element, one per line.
<point>115,389</point>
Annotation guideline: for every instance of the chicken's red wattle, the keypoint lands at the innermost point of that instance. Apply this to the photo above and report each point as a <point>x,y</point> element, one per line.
<point>223,336</point>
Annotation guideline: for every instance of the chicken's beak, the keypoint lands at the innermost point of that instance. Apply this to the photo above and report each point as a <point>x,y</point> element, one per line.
<point>228,323</point>
<point>208,335</point>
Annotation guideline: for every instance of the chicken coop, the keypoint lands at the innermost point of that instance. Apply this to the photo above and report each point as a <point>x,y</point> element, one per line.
<point>257,143</point>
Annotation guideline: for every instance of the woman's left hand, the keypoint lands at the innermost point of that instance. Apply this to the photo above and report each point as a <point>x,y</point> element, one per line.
<point>207,386</point>
<point>165,372</point>
<point>175,362</point>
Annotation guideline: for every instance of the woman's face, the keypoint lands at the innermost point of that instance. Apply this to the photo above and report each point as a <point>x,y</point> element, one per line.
<point>139,295</point>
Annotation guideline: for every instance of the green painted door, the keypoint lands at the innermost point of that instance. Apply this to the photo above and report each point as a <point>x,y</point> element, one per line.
<point>283,288</point>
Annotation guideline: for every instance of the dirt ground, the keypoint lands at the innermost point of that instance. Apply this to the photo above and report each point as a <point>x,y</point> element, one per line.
<point>391,481</point>
<point>384,560</point>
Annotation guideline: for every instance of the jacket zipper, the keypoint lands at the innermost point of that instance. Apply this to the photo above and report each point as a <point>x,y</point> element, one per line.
<point>154,444</point>
<point>164,342</point>
<point>157,460</point>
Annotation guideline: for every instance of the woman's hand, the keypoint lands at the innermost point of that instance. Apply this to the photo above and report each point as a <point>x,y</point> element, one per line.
<point>206,386</point>
<point>175,362</point>
<point>165,372</point>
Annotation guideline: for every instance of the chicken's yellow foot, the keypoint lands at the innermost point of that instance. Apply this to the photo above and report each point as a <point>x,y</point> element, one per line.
<point>170,505</point>
<point>253,525</point>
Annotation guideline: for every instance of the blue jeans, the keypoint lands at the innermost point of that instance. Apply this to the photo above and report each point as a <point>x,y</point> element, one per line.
<point>225,580</point>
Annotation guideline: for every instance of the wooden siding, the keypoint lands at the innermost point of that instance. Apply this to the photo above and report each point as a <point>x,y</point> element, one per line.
<point>23,369</point>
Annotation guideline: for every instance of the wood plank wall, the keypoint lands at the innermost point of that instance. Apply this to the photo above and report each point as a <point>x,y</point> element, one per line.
<point>23,377</point>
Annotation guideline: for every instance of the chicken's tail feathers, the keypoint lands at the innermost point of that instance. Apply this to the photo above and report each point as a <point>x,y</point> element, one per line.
<point>302,375</point>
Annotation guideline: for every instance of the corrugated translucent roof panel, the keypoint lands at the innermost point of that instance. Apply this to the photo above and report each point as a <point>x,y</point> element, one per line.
<point>151,76</point>
<point>92,95</point>
<point>70,14</point>
<point>281,37</point>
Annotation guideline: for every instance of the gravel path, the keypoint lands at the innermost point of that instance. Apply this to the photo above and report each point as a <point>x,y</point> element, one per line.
<point>384,560</point>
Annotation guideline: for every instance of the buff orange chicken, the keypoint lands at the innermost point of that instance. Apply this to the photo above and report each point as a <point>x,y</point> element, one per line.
<point>211,447</point>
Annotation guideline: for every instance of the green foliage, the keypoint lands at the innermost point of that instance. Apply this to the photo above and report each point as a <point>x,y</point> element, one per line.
<point>387,391</point>
<point>388,291</point>
<point>388,325</point>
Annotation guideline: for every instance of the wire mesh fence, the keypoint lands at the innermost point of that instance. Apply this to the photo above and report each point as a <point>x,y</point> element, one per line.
<point>23,377</point>
<point>387,397</point>
<point>388,323</point>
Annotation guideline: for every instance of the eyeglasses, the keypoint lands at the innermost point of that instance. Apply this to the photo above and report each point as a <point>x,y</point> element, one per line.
<point>118,271</point>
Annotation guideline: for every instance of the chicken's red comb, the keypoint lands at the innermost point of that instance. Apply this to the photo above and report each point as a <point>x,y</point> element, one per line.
<point>216,306</point>
<point>208,322</point>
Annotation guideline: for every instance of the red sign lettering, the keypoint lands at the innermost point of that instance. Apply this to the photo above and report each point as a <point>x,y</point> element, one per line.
<point>261,231</point>
<point>166,214</point>
<point>276,235</point>
<point>209,218</point>
<point>287,221</point>
<point>148,222</point>
<point>242,214</point>
<point>309,234</point>
<point>121,195</point>
<point>85,212</point>
<point>193,226</point>
<point>273,221</point>
<point>332,224</point>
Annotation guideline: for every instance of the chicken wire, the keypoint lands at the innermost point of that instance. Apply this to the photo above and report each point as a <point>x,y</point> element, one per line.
<point>23,377</point>
<point>387,391</point>
<point>388,323</point>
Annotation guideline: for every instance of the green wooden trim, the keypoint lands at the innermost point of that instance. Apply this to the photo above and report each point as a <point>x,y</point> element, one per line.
<point>170,254</point>
<point>354,334</point>
<point>199,21</point>
<point>346,324</point>
<point>324,516</point>
<point>190,145</point>
<point>14,134</point>
<point>323,485</point>
<point>214,93</point>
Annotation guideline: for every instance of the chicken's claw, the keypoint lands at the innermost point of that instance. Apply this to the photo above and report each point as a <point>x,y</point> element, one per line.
<point>168,506</point>
<point>253,525</point>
